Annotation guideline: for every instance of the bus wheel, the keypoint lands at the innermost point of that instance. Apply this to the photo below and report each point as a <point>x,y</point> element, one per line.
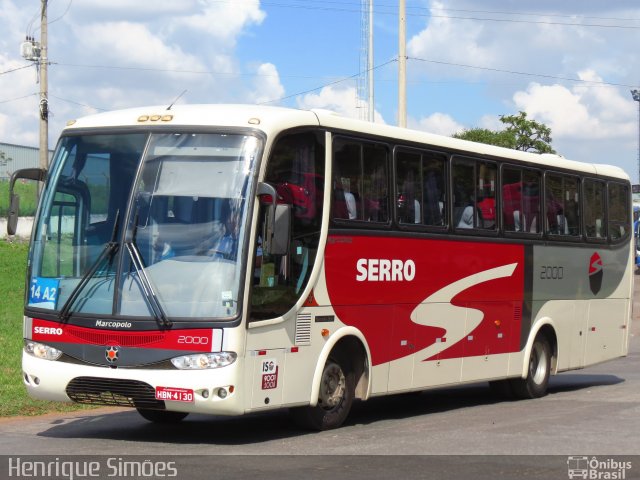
<point>161,416</point>
<point>535,385</point>
<point>337,390</point>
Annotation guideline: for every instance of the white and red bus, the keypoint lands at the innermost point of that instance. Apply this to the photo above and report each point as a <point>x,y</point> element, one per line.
<point>233,259</point>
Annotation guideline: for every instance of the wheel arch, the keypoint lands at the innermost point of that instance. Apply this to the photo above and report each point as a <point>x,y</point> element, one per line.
<point>544,326</point>
<point>349,343</point>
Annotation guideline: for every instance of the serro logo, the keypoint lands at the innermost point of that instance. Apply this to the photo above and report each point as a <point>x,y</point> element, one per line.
<point>47,330</point>
<point>385,270</point>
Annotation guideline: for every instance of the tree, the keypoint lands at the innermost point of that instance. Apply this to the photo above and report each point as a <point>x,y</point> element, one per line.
<point>483,135</point>
<point>520,134</point>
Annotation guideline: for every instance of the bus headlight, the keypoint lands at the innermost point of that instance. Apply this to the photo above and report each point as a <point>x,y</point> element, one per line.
<point>201,361</point>
<point>40,350</point>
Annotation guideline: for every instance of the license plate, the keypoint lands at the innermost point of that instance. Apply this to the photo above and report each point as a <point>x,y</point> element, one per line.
<point>174,394</point>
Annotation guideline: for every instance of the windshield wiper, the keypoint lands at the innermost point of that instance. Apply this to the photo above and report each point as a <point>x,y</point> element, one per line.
<point>147,288</point>
<point>107,252</point>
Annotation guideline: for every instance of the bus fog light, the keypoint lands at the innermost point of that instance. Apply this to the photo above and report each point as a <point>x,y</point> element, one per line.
<point>40,350</point>
<point>205,394</point>
<point>202,361</point>
<point>222,392</point>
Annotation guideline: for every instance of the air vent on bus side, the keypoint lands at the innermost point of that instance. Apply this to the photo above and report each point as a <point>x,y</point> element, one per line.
<point>303,329</point>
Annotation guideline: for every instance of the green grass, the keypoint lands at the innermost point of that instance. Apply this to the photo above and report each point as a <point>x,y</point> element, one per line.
<point>28,192</point>
<point>13,395</point>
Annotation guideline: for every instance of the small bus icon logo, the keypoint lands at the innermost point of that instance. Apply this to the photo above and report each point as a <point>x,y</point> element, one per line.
<point>578,467</point>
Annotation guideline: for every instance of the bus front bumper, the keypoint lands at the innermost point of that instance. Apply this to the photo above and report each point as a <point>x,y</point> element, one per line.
<point>210,391</point>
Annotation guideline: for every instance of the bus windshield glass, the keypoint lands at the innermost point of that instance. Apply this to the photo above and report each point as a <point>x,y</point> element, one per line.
<point>144,225</point>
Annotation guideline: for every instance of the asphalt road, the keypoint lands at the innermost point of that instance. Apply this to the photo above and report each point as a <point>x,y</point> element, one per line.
<point>590,412</point>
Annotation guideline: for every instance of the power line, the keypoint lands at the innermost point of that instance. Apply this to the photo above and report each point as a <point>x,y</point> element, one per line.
<point>18,98</point>
<point>191,72</point>
<point>63,13</point>
<point>456,17</point>
<point>15,69</point>
<point>327,84</point>
<point>78,103</point>
<point>304,4</point>
<point>342,79</point>
<point>527,74</point>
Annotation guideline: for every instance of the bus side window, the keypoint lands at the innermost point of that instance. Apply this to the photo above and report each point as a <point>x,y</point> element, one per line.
<point>296,170</point>
<point>562,205</point>
<point>420,190</point>
<point>463,173</point>
<point>360,183</point>
<point>531,186</point>
<point>619,214</point>
<point>513,217</point>
<point>594,209</point>
<point>474,194</point>
<point>520,200</point>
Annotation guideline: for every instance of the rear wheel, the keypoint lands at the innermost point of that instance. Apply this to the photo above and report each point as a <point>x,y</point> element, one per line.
<point>161,416</point>
<point>537,380</point>
<point>337,390</point>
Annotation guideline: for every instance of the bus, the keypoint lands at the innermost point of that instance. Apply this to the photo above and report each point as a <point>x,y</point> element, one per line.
<point>228,259</point>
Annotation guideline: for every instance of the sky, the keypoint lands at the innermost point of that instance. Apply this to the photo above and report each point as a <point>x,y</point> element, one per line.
<point>569,64</point>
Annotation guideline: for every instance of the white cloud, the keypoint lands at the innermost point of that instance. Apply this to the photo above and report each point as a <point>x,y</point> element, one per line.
<point>583,112</point>
<point>438,123</point>
<point>490,122</point>
<point>451,40</point>
<point>343,101</point>
<point>267,86</point>
<point>126,43</point>
<point>224,20</point>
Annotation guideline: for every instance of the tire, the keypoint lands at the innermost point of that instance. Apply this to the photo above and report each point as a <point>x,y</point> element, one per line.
<point>337,391</point>
<point>161,416</point>
<point>535,385</point>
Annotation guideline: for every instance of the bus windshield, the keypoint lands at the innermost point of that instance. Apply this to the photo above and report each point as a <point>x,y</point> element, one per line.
<point>144,225</point>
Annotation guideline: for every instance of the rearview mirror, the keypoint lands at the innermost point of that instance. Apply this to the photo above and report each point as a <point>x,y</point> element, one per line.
<point>277,226</point>
<point>37,174</point>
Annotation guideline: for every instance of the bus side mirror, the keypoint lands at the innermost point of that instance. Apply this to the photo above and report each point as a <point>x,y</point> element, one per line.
<point>281,230</point>
<point>277,226</point>
<point>37,174</point>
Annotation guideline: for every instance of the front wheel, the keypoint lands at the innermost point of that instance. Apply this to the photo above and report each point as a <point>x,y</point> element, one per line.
<point>161,416</point>
<point>535,385</point>
<point>337,390</point>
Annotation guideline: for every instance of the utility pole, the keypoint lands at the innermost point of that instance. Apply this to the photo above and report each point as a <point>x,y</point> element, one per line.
<point>636,96</point>
<point>371,104</point>
<point>44,94</point>
<point>36,52</point>
<point>402,66</point>
<point>365,78</point>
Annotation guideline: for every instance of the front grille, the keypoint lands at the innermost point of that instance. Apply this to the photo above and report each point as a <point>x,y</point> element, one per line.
<point>124,339</point>
<point>112,392</point>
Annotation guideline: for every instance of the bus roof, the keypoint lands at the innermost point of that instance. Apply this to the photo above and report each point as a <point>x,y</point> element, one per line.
<point>272,120</point>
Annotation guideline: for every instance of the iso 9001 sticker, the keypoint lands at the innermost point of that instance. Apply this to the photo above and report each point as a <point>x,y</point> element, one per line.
<point>174,394</point>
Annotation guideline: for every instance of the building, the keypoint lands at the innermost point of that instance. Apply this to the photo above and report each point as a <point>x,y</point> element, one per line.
<point>15,157</point>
